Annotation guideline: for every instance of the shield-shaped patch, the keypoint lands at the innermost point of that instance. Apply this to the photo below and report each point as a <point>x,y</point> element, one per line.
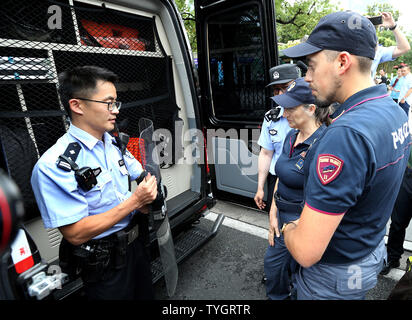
<point>328,168</point>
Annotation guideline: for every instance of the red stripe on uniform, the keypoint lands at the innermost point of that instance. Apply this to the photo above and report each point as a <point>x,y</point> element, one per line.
<point>324,212</point>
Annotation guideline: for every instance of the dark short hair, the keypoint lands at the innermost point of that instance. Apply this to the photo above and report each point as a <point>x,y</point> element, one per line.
<point>364,63</point>
<point>81,82</point>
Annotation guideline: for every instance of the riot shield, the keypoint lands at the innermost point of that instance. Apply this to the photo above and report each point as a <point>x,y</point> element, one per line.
<point>158,209</point>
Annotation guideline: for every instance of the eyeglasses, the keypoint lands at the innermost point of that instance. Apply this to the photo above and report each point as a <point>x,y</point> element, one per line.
<point>110,105</point>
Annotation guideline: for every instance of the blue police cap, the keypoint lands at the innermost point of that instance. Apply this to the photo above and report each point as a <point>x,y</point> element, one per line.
<point>296,94</point>
<point>339,31</point>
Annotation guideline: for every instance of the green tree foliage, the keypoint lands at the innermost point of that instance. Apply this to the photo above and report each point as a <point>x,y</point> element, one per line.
<point>294,21</point>
<point>186,9</point>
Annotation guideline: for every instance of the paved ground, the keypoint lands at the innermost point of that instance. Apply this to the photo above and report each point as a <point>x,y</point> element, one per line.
<point>230,266</point>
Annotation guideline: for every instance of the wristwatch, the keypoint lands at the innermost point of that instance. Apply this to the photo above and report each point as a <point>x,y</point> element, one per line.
<point>394,27</point>
<point>284,226</point>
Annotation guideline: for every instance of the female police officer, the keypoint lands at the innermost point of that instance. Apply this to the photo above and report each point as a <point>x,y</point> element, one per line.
<point>94,218</point>
<point>308,123</point>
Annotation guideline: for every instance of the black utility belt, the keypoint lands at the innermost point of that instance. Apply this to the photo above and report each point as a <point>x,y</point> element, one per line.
<point>129,233</point>
<point>287,206</point>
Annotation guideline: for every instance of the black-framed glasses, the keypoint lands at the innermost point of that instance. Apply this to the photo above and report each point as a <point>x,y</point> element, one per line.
<point>110,105</point>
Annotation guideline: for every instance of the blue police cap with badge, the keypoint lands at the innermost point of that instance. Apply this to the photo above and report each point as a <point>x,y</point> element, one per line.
<point>339,31</point>
<point>296,94</point>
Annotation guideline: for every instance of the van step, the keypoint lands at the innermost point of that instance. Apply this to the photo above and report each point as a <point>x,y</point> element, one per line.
<point>186,244</point>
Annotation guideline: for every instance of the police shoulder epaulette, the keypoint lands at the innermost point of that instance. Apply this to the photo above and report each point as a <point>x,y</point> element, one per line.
<point>72,151</point>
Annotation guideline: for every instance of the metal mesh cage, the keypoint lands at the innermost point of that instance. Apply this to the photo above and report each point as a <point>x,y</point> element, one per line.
<point>237,64</point>
<point>38,40</point>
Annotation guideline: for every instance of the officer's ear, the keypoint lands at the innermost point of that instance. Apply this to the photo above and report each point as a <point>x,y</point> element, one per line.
<point>344,61</point>
<point>75,106</point>
<point>312,108</point>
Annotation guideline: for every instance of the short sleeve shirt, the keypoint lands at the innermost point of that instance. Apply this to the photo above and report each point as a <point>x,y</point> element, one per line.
<point>58,195</point>
<point>271,138</point>
<point>382,54</point>
<point>406,85</point>
<point>397,86</point>
<point>355,169</point>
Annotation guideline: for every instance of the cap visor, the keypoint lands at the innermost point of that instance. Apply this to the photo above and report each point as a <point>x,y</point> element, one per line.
<point>286,101</point>
<point>300,50</point>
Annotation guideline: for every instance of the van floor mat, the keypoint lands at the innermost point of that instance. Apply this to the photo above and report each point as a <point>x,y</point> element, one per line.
<point>185,244</point>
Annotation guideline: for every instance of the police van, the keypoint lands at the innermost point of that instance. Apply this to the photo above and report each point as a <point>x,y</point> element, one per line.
<point>206,112</point>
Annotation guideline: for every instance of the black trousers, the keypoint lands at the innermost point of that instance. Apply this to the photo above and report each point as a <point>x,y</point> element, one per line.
<point>400,218</point>
<point>271,182</point>
<point>134,281</point>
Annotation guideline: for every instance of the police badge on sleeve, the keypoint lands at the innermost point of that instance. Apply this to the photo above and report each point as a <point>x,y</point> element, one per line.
<point>328,168</point>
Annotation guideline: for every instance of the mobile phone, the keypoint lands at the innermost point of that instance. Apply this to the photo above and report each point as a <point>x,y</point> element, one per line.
<point>376,20</point>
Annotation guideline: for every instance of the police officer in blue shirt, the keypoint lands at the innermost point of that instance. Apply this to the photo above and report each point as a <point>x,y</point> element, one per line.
<point>353,171</point>
<point>308,122</point>
<point>81,185</point>
<point>273,132</point>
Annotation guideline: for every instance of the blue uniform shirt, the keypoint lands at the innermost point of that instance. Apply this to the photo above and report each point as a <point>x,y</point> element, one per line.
<point>355,168</point>
<point>289,166</point>
<point>58,196</point>
<point>272,137</point>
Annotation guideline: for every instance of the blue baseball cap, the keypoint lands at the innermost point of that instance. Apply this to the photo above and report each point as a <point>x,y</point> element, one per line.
<point>339,31</point>
<point>296,94</point>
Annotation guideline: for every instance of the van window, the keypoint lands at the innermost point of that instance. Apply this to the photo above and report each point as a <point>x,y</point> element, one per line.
<point>237,66</point>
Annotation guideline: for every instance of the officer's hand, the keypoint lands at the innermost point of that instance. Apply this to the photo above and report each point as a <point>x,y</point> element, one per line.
<point>146,191</point>
<point>273,225</point>
<point>259,199</point>
<point>403,101</point>
<point>387,20</point>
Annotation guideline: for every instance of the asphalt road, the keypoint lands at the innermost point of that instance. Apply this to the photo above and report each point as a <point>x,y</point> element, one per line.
<point>230,266</point>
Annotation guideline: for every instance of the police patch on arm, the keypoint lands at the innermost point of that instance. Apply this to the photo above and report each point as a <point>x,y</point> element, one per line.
<point>328,168</point>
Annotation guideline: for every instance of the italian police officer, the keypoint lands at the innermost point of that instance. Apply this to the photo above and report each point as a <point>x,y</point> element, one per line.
<point>353,172</point>
<point>81,185</point>
<point>274,130</point>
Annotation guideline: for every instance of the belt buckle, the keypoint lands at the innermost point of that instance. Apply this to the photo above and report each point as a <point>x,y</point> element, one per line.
<point>133,234</point>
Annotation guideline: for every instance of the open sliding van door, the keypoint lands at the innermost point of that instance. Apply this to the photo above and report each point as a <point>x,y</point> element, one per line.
<point>236,47</point>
